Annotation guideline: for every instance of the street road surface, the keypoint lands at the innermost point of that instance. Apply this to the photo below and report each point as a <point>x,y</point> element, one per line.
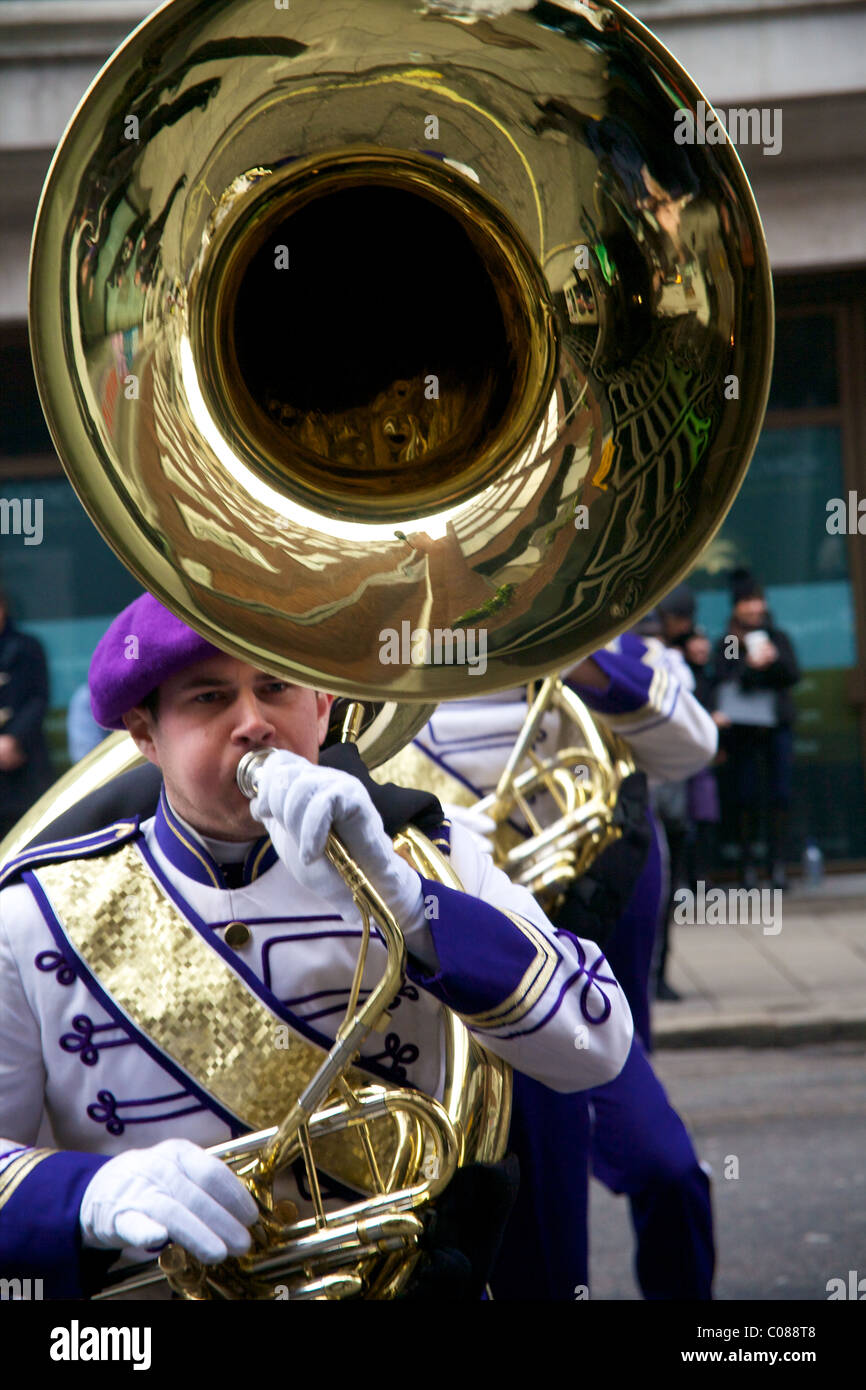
<point>795,1217</point>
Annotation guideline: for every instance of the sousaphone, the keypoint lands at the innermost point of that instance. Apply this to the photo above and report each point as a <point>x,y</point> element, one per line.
<point>364,329</point>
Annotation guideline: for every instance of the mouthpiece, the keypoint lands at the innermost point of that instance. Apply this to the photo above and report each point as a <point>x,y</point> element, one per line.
<point>248,771</point>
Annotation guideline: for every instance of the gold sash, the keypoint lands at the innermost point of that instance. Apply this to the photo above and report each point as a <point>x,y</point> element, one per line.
<point>189,1003</point>
<point>412,767</point>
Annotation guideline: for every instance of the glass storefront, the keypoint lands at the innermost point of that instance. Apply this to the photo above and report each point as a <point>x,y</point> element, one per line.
<point>778,528</point>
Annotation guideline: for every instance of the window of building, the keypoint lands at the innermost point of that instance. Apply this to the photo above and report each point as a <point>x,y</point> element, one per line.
<point>778,528</point>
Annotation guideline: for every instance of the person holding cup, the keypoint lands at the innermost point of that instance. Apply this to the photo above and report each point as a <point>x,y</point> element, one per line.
<point>755,670</point>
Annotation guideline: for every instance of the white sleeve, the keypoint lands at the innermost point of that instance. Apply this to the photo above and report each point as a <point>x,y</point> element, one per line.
<point>543,1000</point>
<point>679,744</point>
<point>647,703</point>
<point>22,1071</point>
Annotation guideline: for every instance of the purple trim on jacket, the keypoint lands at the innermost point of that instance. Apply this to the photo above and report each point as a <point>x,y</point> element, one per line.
<point>79,848</point>
<point>40,1236</point>
<point>629,681</point>
<point>482,955</point>
<point>191,857</point>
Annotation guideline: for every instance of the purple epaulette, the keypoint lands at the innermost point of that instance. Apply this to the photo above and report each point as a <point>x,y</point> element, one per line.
<point>80,847</point>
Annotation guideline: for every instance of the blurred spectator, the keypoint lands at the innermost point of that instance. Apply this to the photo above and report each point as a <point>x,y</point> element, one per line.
<point>697,650</point>
<point>25,767</point>
<point>82,731</point>
<point>676,614</point>
<point>703,808</point>
<point>755,668</point>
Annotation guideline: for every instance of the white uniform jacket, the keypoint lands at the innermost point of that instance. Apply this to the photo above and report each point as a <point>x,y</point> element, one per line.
<point>647,702</point>
<point>543,1000</point>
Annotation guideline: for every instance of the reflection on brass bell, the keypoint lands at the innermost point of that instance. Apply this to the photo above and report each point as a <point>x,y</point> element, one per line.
<point>237,935</point>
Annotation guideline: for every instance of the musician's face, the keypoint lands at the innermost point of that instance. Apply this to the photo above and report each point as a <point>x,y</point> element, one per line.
<point>208,717</point>
<point>751,612</point>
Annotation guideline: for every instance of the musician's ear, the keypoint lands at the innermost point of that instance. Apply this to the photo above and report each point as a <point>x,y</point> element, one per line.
<point>139,723</point>
<point>323,714</point>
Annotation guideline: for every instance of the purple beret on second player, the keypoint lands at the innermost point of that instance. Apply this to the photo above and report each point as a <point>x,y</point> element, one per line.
<point>143,647</point>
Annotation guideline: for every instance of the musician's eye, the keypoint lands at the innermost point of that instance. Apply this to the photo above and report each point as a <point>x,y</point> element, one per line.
<point>208,697</point>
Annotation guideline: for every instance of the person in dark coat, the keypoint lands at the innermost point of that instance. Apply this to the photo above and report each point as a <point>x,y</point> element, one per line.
<point>25,766</point>
<point>704,807</point>
<point>755,670</point>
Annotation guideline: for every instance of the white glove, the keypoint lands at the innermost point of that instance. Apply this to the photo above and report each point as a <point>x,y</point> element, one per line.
<point>478,825</point>
<point>299,803</point>
<point>173,1191</point>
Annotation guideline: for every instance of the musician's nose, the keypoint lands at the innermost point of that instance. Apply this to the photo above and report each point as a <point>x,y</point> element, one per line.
<point>251,724</point>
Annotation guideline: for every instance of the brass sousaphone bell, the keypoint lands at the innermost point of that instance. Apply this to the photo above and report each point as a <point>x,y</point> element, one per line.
<point>362,340</point>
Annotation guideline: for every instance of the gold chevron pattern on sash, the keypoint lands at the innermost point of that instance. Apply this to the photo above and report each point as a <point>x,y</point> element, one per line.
<point>411,767</point>
<point>189,1002</point>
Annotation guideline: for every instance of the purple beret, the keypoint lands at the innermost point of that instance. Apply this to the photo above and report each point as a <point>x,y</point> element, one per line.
<point>143,647</point>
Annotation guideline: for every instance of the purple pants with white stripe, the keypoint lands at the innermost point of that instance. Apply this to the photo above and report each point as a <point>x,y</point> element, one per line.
<point>630,1137</point>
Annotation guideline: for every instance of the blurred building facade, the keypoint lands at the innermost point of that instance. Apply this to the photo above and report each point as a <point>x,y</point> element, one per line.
<point>803,59</point>
<point>800,59</point>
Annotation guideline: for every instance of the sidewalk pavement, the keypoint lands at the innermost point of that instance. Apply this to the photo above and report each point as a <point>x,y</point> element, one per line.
<point>741,986</point>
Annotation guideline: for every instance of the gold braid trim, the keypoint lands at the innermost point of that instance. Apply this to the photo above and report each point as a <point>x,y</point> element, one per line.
<point>532,986</point>
<point>18,1169</point>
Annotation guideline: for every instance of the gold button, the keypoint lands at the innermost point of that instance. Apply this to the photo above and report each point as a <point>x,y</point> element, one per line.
<point>237,935</point>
